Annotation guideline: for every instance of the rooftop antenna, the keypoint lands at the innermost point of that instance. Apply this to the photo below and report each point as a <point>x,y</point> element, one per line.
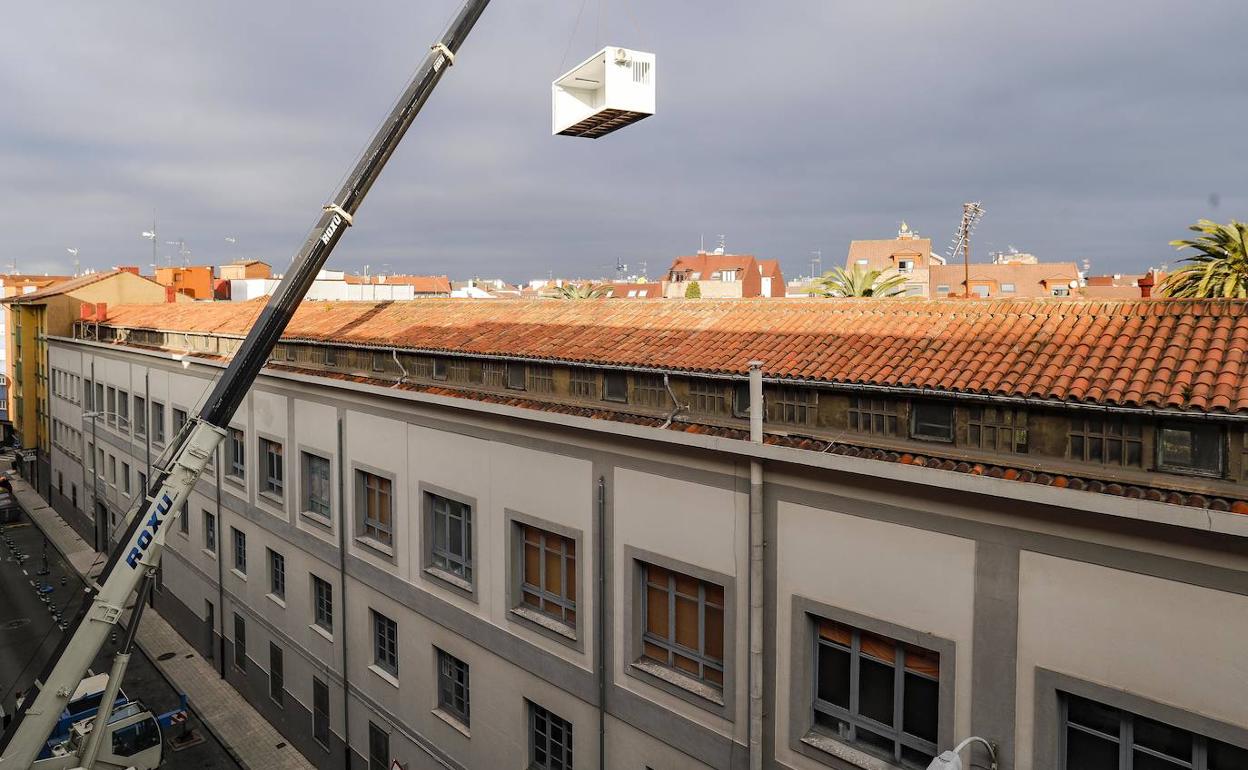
<point>701,243</point>
<point>972,212</point>
<point>620,269</point>
<point>183,252</point>
<point>74,253</point>
<point>720,249</point>
<point>151,236</point>
<point>816,264</point>
<point>644,270</point>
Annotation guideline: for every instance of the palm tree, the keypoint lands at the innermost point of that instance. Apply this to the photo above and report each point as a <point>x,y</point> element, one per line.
<point>858,282</point>
<point>1219,269</point>
<point>581,291</point>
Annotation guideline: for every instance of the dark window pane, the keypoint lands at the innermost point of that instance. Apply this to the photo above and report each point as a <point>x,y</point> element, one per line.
<point>1087,752</point>
<point>1163,738</point>
<point>920,707</point>
<point>1223,756</point>
<point>880,743</point>
<point>1076,448</point>
<point>1094,715</point>
<point>1145,761</point>
<point>1095,445</point>
<point>833,676</point>
<point>875,690</point>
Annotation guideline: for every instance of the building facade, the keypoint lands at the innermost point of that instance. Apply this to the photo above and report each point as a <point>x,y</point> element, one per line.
<point>518,533</point>
<point>907,255</point>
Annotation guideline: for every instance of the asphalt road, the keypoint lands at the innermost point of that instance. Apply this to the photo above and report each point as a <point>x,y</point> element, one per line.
<point>29,635</point>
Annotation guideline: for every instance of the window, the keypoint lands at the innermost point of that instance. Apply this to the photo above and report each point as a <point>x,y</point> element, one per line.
<point>179,420</point>
<point>1007,288</point>
<point>323,604</point>
<point>439,368</point>
<point>1061,291</point>
<point>142,483</point>
<point>236,453</point>
<point>1108,440</point>
<point>649,390</point>
<point>240,550</point>
<point>708,397</point>
<point>379,361</point>
<point>385,644</point>
<point>240,642</point>
<point>494,373</point>
<point>99,396</point>
<point>330,356</point>
<point>277,574</point>
<point>112,470</point>
<point>140,736</point>
<point>541,378</point>
<point>123,410</point>
<point>583,383</point>
<point>453,686</point>
<point>793,406</point>
<point>88,395</point>
<point>931,421</point>
<point>184,519</point>
<point>877,693</point>
<point>210,532</point>
<point>276,675</point>
<point>550,740</point>
<point>997,429</point>
<point>876,416</point>
<point>905,266</point>
<point>459,370</point>
<point>548,573</point>
<point>615,386</point>
<point>1190,448</point>
<point>980,290</point>
<point>378,748</point>
<point>111,406</point>
<point>374,506</point>
<point>272,468</point>
<point>450,544</point>
<point>515,375</point>
<point>125,478</point>
<point>320,712</point>
<point>316,491</point>
<point>942,290</point>
<point>1099,737</point>
<point>158,422</point>
<point>140,415</point>
<point>684,624</point>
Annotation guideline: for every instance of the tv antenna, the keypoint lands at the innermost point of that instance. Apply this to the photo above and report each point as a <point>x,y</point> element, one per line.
<point>971,214</point>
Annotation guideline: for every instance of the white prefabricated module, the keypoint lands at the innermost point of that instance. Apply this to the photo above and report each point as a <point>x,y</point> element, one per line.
<point>609,90</point>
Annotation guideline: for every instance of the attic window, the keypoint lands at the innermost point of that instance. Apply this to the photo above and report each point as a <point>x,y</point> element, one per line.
<point>439,368</point>
<point>931,421</point>
<point>615,386</point>
<point>861,262</point>
<point>515,376</point>
<point>1190,448</point>
<point>1007,288</point>
<point>905,265</point>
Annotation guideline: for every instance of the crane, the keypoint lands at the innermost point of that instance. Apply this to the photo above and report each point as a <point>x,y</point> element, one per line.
<point>129,736</point>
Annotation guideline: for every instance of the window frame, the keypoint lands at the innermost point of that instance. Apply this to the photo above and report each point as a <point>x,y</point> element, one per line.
<point>240,650</point>
<point>277,675</point>
<point>1193,428</point>
<point>620,377</point>
<point>517,375</point>
<point>318,605</point>
<point>363,524</point>
<point>378,739</point>
<point>238,549</point>
<point>306,477</point>
<point>583,383</point>
<point>538,715</point>
<point>236,454</point>
<point>453,677</point>
<point>535,619</point>
<point>272,485</point>
<point>719,701</point>
<point>321,716</point>
<point>441,575</point>
<point>1049,749</point>
<point>157,422</point>
<point>809,741</point>
<point>1080,429</point>
<point>917,404</point>
<point>385,645</point>
<point>210,532</point>
<point>539,378</point>
<point>277,574</point>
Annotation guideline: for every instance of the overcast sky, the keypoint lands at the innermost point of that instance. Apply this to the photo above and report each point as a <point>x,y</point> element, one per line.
<point>1096,129</point>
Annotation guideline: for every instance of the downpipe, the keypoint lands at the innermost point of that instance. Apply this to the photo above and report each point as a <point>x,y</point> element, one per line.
<point>756,571</point>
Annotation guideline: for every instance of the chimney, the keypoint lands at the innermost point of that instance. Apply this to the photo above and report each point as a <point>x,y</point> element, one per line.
<point>101,312</point>
<point>171,294</point>
<point>129,269</point>
<point>1146,285</point>
<point>86,311</point>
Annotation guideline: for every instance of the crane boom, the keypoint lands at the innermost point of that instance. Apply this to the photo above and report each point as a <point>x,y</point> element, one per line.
<point>138,551</point>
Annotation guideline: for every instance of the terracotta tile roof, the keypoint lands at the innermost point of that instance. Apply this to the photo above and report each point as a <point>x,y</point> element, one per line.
<point>423,284</point>
<point>64,287</point>
<point>1036,280</point>
<point>1180,354</point>
<point>879,253</point>
<point>629,290</point>
<point>705,264</point>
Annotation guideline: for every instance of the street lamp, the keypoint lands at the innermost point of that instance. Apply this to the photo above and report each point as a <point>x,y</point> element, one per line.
<point>950,760</point>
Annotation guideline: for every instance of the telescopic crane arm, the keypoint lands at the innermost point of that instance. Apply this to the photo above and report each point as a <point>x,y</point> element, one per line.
<point>138,552</point>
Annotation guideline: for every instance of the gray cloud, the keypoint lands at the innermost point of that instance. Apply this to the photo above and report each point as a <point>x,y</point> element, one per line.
<point>1089,130</point>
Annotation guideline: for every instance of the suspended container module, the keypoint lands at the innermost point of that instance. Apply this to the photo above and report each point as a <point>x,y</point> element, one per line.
<point>609,90</point>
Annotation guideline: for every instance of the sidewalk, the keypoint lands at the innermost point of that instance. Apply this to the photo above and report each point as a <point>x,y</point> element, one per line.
<point>248,736</point>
